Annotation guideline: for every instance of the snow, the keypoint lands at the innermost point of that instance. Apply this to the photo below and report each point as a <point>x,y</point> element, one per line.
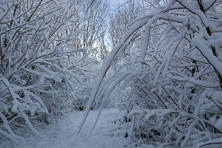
<point>218,124</point>
<point>203,17</point>
<point>63,133</point>
<point>147,146</point>
<point>190,129</point>
<point>215,143</point>
<point>6,1</point>
<point>34,73</point>
<point>213,42</point>
<point>208,54</point>
<point>217,96</point>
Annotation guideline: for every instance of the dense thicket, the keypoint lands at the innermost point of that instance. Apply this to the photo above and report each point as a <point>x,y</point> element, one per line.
<point>168,72</point>
<point>165,69</point>
<point>46,66</point>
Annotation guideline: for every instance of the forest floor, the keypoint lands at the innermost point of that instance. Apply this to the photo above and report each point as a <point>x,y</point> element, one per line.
<point>63,133</point>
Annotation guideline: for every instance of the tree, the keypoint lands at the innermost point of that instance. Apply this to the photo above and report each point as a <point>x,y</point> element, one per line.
<point>120,19</point>
<point>93,23</point>
<point>40,71</point>
<point>176,70</point>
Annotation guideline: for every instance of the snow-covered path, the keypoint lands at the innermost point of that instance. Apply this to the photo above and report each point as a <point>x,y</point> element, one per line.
<point>63,134</point>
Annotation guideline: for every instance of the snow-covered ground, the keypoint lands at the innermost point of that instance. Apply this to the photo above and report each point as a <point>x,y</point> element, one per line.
<point>63,134</point>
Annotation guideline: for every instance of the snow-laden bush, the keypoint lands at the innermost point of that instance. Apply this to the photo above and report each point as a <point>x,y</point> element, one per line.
<point>170,62</point>
<point>40,71</point>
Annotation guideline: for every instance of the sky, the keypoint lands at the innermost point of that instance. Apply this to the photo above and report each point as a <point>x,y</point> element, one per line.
<point>115,3</point>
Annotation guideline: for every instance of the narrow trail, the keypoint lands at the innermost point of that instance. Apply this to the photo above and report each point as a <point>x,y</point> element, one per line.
<point>63,134</point>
